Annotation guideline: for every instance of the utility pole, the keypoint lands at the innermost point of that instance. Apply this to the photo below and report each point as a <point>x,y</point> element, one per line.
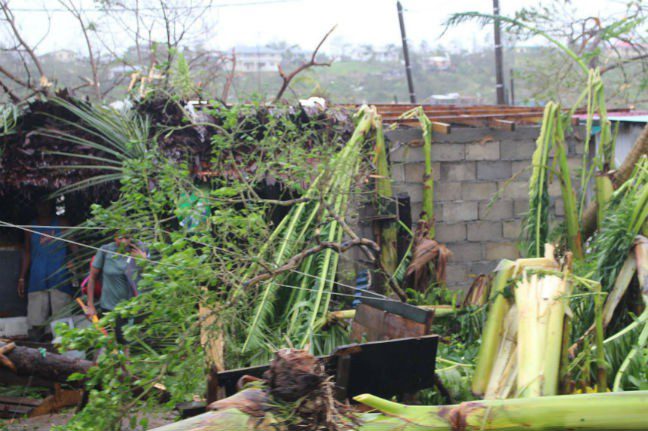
<point>408,66</point>
<point>512,78</point>
<point>499,68</point>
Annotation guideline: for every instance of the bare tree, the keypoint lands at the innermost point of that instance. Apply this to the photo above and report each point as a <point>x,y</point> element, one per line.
<point>617,44</point>
<point>230,78</point>
<point>85,28</point>
<point>28,57</point>
<point>288,77</point>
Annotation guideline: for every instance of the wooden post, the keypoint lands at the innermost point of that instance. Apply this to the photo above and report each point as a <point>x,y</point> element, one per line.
<point>499,68</point>
<point>408,65</point>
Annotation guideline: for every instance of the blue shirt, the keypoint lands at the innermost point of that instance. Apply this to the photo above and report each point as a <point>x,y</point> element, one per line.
<point>48,260</point>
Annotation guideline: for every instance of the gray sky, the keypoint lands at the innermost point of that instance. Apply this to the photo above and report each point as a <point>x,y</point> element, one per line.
<point>303,22</point>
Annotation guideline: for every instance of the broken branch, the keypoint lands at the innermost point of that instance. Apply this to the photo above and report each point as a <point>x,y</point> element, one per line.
<point>287,78</point>
<point>294,261</point>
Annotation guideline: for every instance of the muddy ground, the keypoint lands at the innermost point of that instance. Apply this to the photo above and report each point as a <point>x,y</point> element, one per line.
<point>45,423</point>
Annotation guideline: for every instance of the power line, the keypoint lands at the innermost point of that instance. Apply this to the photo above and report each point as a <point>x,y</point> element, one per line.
<point>151,8</point>
<point>26,228</point>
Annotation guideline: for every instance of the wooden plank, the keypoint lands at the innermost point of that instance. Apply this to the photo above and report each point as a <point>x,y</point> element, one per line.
<point>367,324</point>
<point>496,123</point>
<point>373,324</point>
<point>9,378</point>
<point>391,367</point>
<point>443,128</point>
<point>61,399</point>
<point>10,411</point>
<point>408,311</point>
<point>395,326</point>
<point>23,401</point>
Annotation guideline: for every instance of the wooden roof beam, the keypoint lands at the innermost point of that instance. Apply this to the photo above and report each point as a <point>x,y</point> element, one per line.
<point>443,128</point>
<point>496,123</point>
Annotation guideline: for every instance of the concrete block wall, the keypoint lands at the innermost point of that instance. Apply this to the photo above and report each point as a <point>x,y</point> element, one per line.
<point>471,166</point>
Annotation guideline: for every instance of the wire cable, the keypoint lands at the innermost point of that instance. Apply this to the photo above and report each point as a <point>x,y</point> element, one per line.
<point>79,244</point>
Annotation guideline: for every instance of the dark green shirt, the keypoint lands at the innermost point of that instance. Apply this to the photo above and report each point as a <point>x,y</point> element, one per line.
<point>116,286</point>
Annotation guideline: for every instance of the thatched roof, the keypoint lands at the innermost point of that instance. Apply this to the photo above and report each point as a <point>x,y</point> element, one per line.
<point>29,160</point>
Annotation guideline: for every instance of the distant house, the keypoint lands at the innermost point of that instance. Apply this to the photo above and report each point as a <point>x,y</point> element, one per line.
<point>61,56</point>
<point>257,59</point>
<point>438,62</point>
<point>451,99</point>
<point>369,53</point>
<point>121,70</point>
<point>386,55</point>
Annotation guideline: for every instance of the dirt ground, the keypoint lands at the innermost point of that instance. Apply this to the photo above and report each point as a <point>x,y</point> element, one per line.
<point>45,423</point>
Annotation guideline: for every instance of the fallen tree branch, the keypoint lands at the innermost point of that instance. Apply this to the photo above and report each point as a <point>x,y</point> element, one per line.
<point>294,261</point>
<point>622,62</point>
<point>33,362</point>
<point>287,78</point>
<point>347,229</point>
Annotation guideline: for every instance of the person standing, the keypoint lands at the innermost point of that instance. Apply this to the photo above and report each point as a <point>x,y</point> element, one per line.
<point>116,264</point>
<point>48,289</point>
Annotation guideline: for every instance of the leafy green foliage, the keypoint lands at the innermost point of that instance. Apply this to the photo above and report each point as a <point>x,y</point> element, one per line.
<point>182,83</point>
<point>203,264</point>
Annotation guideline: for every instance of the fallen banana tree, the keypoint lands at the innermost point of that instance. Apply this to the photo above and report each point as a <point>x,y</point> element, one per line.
<point>294,294</point>
<point>295,394</point>
<point>593,412</point>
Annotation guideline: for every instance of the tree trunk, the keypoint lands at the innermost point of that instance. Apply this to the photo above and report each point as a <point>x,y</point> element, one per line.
<point>621,175</point>
<point>48,366</point>
<point>621,410</point>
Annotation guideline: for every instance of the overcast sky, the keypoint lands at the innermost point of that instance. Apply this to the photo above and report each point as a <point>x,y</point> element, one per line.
<point>303,22</point>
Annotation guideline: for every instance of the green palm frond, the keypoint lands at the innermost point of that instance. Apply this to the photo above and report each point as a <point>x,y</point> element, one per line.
<point>290,306</point>
<point>536,222</point>
<point>115,139</point>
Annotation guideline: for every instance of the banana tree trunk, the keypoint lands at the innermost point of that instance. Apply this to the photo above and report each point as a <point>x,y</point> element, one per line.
<point>608,411</point>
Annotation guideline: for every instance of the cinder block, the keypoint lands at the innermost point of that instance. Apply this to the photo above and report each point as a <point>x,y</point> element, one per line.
<point>398,172</point>
<point>416,208</point>
<point>512,229</point>
<point>465,251</point>
<point>459,211</point>
<point>500,170</point>
<point>483,267</point>
<point>450,232</point>
<point>522,170</point>
<point>520,207</point>
<point>414,172</point>
<point>554,188</point>
<point>560,207</point>
<point>486,151</point>
<point>484,231</point>
<point>477,191</point>
<point>405,152</point>
<point>501,250</point>
<point>456,273</point>
<point>499,210</point>
<point>415,191</point>
<point>445,191</point>
<point>517,150</point>
<point>403,134</point>
<point>574,164</point>
<point>514,189</point>
<point>450,152</point>
<point>458,171</point>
